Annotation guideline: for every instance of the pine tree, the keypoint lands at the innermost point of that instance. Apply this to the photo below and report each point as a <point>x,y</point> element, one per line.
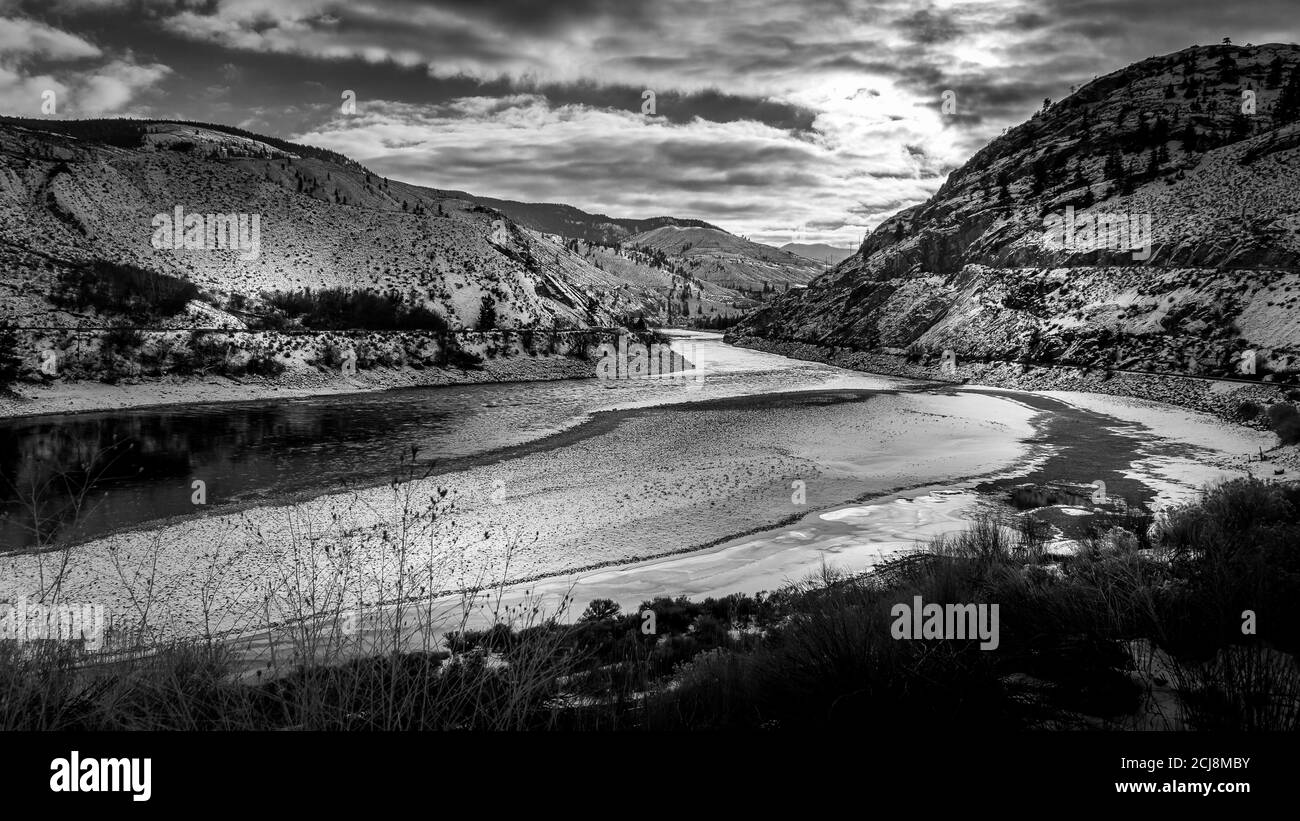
<point>1240,127</point>
<point>1039,183</point>
<point>1160,131</point>
<point>10,361</point>
<point>1274,79</point>
<point>1114,165</point>
<point>1227,68</point>
<point>1288,104</point>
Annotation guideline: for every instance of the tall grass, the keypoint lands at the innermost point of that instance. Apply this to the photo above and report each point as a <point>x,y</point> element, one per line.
<point>398,629</point>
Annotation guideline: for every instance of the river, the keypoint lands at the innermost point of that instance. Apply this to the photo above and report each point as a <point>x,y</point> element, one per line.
<point>759,471</point>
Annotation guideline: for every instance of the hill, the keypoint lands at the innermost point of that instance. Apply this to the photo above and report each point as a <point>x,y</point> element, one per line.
<point>715,256</point>
<point>1020,254</point>
<point>820,252</point>
<point>80,194</point>
<point>574,223</point>
<point>714,273</point>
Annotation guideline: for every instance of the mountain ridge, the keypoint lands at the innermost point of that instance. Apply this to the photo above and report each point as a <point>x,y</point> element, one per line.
<point>970,270</point>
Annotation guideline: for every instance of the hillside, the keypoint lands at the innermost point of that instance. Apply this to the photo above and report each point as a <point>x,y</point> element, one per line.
<point>567,221</point>
<point>1170,145</point>
<point>67,202</point>
<point>819,251</point>
<point>701,269</point>
<point>713,255</point>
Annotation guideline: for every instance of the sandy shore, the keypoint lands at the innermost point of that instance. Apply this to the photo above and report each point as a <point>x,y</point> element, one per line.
<point>633,485</point>
<point>731,494</point>
<point>83,397</point>
<point>850,539</point>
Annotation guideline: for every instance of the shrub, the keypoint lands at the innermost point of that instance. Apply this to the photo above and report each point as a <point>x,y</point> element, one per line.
<point>452,355</point>
<point>600,610</point>
<point>1284,419</point>
<point>1234,550</point>
<point>263,363</point>
<point>121,338</point>
<point>487,315</point>
<point>10,361</point>
<point>206,354</point>
<point>330,357</point>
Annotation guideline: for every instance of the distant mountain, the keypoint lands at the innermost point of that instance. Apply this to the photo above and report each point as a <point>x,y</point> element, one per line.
<point>713,255</point>
<point>1020,253</point>
<point>821,252</point>
<point>685,246</point>
<point>567,221</point>
<point>79,194</point>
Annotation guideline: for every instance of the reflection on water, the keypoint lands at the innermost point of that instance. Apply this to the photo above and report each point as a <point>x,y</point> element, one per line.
<point>136,466</point>
<point>122,468</point>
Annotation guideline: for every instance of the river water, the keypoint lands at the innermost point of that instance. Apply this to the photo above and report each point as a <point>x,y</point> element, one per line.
<point>761,471</point>
<point>138,466</point>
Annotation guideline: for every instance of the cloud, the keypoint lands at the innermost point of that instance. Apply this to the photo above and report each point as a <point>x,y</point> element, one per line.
<point>22,39</point>
<point>754,178</point>
<point>34,71</point>
<point>24,94</point>
<point>768,112</point>
<point>111,87</point>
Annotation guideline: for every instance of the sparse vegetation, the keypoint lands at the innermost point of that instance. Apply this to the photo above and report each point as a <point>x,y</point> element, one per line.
<point>336,309</point>
<point>1083,640</point>
<point>1284,419</point>
<point>10,360</point>
<point>122,289</point>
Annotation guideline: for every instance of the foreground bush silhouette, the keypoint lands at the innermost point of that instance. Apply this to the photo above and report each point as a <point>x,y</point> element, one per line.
<point>1284,419</point>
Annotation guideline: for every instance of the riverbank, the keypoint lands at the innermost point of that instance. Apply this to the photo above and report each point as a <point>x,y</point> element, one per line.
<point>629,486</point>
<point>1148,399</point>
<point>714,481</point>
<point>82,396</point>
<point>1221,398</point>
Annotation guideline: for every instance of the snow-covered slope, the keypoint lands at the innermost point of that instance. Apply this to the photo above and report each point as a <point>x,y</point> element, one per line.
<point>71,194</point>
<point>716,256</point>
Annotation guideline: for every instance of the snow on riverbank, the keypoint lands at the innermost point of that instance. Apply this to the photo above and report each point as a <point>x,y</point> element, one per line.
<point>1223,450</point>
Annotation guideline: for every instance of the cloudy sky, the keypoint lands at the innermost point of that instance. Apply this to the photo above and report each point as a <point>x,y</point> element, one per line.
<point>776,119</point>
